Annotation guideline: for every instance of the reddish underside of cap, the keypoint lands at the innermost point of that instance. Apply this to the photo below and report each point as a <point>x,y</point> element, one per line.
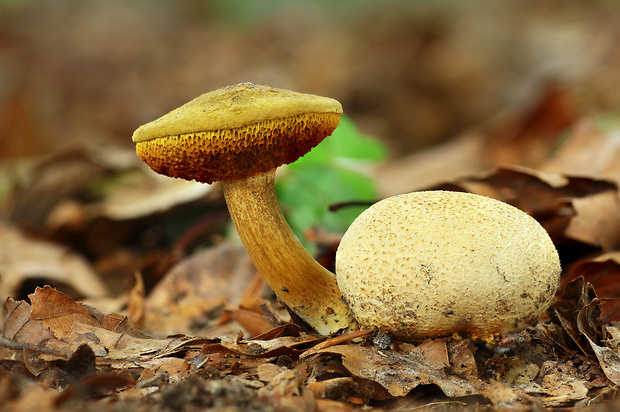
<point>233,154</point>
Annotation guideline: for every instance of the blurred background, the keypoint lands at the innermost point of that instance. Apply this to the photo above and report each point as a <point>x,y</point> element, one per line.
<point>411,74</point>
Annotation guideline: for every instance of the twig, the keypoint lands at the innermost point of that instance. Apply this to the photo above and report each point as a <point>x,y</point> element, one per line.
<point>24,346</point>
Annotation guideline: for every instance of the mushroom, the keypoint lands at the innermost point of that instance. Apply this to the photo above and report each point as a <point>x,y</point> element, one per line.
<point>437,263</point>
<point>239,135</point>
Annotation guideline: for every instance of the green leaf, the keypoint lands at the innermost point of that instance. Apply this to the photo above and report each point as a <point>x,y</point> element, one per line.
<point>335,171</point>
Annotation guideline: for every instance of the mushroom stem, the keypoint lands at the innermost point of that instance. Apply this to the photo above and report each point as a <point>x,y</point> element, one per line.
<point>298,280</point>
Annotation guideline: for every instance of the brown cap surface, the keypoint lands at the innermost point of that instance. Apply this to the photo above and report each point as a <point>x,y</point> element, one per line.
<point>435,263</point>
<point>236,132</point>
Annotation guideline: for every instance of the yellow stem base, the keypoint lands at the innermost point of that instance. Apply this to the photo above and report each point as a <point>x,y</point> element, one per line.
<point>298,280</point>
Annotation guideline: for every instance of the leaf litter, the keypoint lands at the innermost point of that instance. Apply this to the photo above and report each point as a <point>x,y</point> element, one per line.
<point>191,347</point>
<point>193,326</point>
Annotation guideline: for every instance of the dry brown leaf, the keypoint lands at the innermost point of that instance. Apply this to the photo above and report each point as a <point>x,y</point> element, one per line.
<point>434,352</point>
<point>570,208</point>
<point>532,191</point>
<point>58,312</point>
<point>56,323</point>
<point>609,359</point>
<point>192,291</point>
<point>529,140</point>
<point>93,386</point>
<point>266,372</point>
<point>399,373</point>
<point>174,369</point>
<point>287,345</point>
<point>38,398</point>
<point>23,259</point>
<point>252,296</point>
<point>597,220</point>
<point>458,157</point>
<point>336,388</point>
<point>252,322</point>
<point>326,405</point>
<point>597,317</point>
<point>338,340</point>
<point>587,152</point>
<point>143,193</point>
<point>567,313</point>
<point>583,315</point>
<point>19,328</point>
<point>288,329</point>
<point>115,345</point>
<point>462,361</point>
<point>602,272</point>
<point>563,388</point>
<point>286,383</point>
<point>501,394</point>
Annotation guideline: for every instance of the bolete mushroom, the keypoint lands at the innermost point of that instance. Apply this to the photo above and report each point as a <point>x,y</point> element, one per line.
<point>437,263</point>
<point>239,135</point>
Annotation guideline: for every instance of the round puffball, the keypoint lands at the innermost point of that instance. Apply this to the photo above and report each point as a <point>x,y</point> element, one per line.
<point>438,263</point>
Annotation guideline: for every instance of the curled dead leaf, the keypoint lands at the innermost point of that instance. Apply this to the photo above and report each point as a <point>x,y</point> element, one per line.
<point>413,369</point>
<point>571,208</point>
<point>23,260</point>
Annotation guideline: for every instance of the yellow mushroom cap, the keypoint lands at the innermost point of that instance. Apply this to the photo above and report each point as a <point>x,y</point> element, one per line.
<point>236,132</point>
<point>435,263</point>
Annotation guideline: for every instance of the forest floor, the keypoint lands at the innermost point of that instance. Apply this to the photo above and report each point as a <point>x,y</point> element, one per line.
<point>127,291</point>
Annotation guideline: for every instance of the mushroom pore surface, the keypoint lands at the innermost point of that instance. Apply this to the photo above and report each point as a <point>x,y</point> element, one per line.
<point>436,263</point>
<point>236,132</point>
<point>231,154</point>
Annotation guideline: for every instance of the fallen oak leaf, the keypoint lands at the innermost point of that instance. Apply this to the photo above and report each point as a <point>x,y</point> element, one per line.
<point>286,383</point>
<point>585,143</point>
<point>183,344</point>
<point>199,288</point>
<point>531,138</point>
<point>174,369</point>
<point>435,351</point>
<point>55,324</point>
<point>18,327</point>
<point>399,373</point>
<point>114,345</point>
<point>566,310</point>
<point>597,220</point>
<point>571,208</point>
<point>561,385</point>
<point>598,314</point>
<point>136,306</point>
<point>58,312</point>
<point>530,190</point>
<point>609,359</point>
<point>602,272</point>
<point>21,333</point>
<point>335,388</point>
<point>501,394</point>
<point>592,320</point>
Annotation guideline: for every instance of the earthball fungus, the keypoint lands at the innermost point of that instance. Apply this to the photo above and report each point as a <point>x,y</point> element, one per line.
<point>438,263</point>
<point>239,135</point>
